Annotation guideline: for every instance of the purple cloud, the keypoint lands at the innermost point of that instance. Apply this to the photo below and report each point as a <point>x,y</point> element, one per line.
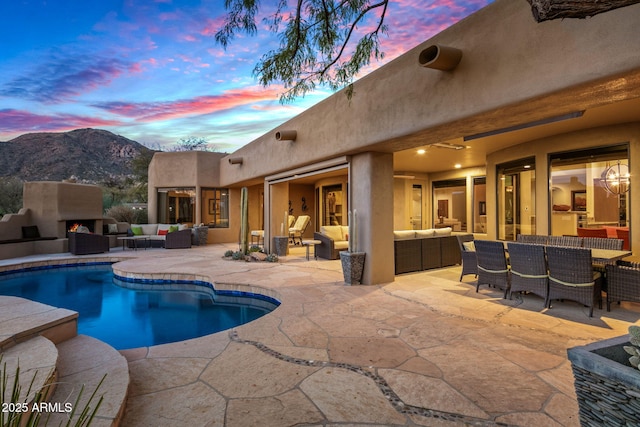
<point>13,121</point>
<point>63,79</point>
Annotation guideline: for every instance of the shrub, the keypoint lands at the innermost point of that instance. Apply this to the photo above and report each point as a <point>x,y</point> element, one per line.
<point>228,254</point>
<point>123,213</point>
<point>271,258</point>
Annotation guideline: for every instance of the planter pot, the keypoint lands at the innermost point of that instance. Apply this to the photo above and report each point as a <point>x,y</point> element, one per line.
<point>607,386</point>
<point>352,266</point>
<point>280,245</point>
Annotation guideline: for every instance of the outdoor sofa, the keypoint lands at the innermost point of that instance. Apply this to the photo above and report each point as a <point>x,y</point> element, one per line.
<point>417,250</point>
<point>169,236</point>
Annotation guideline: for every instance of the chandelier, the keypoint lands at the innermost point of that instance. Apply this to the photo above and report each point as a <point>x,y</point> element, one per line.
<point>616,178</point>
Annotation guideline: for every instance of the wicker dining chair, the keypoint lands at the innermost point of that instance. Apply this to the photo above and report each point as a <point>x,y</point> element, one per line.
<point>571,276</point>
<point>623,283</point>
<point>533,239</point>
<point>528,269</point>
<point>567,241</point>
<point>602,243</point>
<point>469,258</point>
<point>492,265</point>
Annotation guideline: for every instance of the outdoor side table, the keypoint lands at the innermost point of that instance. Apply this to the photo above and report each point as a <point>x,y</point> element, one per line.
<point>135,240</point>
<point>308,243</point>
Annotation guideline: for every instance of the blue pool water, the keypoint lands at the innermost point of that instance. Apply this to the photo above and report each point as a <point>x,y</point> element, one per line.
<point>111,311</point>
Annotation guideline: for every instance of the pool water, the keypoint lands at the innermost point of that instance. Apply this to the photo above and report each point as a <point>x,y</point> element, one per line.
<point>129,315</point>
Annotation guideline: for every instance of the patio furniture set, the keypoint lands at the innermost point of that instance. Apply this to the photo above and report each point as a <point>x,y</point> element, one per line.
<point>554,268</point>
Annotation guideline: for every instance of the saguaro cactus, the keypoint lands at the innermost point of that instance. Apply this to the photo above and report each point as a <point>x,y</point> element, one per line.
<point>244,220</point>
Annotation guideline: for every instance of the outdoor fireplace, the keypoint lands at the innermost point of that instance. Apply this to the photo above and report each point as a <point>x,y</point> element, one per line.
<point>80,225</point>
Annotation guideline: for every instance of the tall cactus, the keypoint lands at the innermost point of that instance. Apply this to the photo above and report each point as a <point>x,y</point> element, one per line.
<point>244,220</point>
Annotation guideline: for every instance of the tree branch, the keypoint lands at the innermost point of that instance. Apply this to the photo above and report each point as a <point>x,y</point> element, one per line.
<point>546,10</point>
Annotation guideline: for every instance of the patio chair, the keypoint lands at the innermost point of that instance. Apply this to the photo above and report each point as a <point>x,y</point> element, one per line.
<point>468,255</point>
<point>299,228</point>
<point>622,282</point>
<point>602,243</point>
<point>624,235</point>
<point>592,232</point>
<point>566,241</point>
<point>571,276</point>
<point>532,239</point>
<point>528,269</point>
<point>492,265</point>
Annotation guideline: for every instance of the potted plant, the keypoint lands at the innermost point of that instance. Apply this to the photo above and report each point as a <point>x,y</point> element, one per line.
<point>606,381</point>
<point>352,260</point>
<point>281,242</point>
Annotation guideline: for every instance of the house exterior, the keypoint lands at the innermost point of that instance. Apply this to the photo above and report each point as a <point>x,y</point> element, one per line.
<point>535,117</point>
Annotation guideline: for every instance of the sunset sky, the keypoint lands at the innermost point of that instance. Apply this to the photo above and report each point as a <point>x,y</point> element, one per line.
<point>150,70</point>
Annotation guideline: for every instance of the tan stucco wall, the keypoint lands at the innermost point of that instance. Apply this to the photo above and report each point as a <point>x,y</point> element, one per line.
<point>52,203</point>
<point>510,70</point>
<point>196,169</point>
<point>603,136</point>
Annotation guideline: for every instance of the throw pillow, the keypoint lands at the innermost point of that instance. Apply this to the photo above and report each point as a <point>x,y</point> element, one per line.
<point>112,228</point>
<point>137,231</point>
<point>30,232</point>
<point>162,232</point>
<point>469,246</point>
<point>174,228</point>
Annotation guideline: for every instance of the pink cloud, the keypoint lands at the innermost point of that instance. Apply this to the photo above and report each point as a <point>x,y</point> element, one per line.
<point>156,111</point>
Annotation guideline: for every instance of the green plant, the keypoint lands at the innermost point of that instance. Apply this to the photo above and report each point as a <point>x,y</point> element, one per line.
<point>244,220</point>
<point>255,248</point>
<point>634,339</point>
<point>271,258</point>
<point>237,255</point>
<point>26,416</point>
<point>228,253</point>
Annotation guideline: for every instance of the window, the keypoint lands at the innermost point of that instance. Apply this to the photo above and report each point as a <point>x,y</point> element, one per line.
<point>450,204</point>
<point>516,198</point>
<point>215,207</point>
<point>579,195</point>
<point>480,204</point>
<point>176,205</point>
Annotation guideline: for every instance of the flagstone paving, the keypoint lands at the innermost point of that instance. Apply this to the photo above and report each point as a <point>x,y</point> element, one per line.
<point>424,350</point>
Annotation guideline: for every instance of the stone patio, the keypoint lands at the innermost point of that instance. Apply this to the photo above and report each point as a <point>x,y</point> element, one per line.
<point>424,350</point>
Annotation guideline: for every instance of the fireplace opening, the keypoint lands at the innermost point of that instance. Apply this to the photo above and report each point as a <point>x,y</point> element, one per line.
<point>74,224</point>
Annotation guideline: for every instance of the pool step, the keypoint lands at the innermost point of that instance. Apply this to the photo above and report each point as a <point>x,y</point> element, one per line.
<point>84,361</point>
<point>22,319</point>
<point>37,359</point>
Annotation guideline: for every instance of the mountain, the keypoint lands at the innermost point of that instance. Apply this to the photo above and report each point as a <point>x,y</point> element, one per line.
<point>89,155</point>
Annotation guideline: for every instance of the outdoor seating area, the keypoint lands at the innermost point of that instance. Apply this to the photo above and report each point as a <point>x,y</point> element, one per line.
<point>554,268</point>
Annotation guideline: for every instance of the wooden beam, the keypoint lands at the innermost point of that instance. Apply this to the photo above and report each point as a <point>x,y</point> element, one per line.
<point>547,10</point>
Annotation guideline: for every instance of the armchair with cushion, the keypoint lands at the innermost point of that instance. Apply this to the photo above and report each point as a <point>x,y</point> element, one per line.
<point>334,240</point>
<point>88,243</point>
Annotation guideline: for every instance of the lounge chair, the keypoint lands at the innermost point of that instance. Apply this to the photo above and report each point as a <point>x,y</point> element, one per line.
<point>299,228</point>
<point>622,282</point>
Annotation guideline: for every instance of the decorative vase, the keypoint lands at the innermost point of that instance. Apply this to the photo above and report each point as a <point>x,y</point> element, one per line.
<point>352,266</point>
<point>607,386</point>
<point>280,245</point>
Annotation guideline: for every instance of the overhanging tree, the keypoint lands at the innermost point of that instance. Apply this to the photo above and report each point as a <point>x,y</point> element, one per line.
<point>322,41</point>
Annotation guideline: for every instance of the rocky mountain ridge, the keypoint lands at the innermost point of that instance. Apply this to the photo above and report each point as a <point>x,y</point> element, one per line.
<point>86,155</point>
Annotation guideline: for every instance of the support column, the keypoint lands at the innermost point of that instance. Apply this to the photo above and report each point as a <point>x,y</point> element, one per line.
<point>371,195</point>
<point>277,201</point>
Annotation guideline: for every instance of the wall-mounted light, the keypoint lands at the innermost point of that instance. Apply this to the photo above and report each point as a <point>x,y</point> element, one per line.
<point>438,57</point>
<point>421,151</point>
<point>286,135</point>
<point>236,160</point>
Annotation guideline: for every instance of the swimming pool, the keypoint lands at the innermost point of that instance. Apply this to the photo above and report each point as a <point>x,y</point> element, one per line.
<point>131,313</point>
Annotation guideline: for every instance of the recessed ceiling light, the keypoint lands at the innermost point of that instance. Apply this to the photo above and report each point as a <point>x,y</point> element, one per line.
<point>421,151</point>
<point>457,166</point>
<point>527,166</point>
